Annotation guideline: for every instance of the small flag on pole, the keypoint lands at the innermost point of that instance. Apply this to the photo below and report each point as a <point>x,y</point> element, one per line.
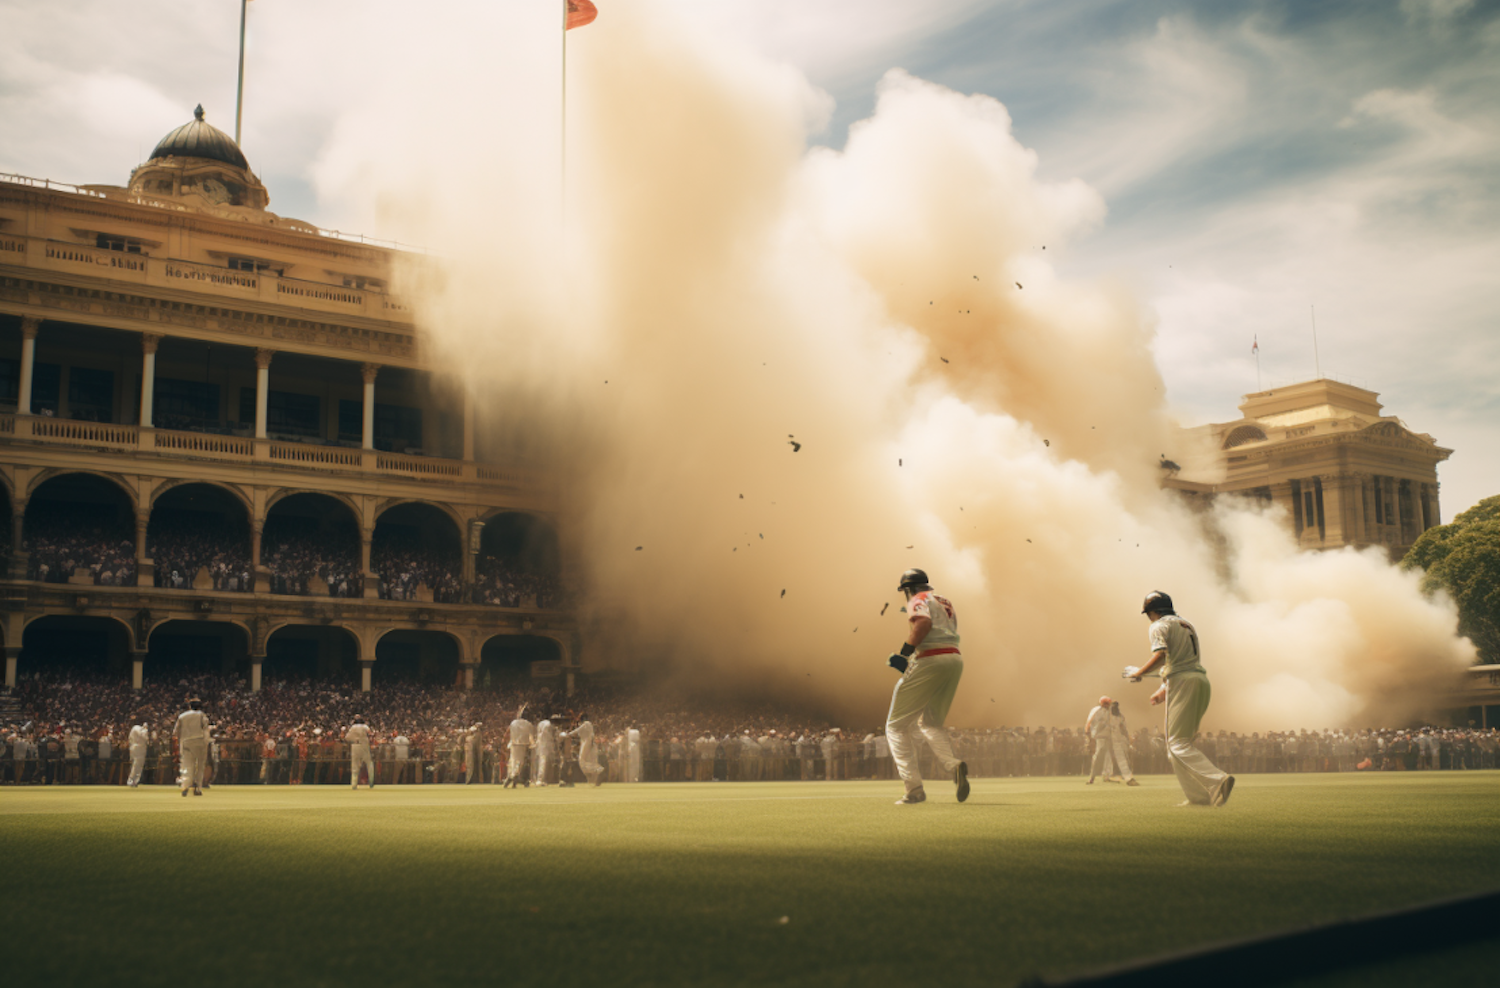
<point>580,12</point>
<point>1255,346</point>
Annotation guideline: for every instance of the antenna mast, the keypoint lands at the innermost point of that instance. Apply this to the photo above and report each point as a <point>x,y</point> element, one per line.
<point>239,96</point>
<point>1317,364</point>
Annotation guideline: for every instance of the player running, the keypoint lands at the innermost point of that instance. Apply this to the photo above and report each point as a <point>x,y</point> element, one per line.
<point>928,683</point>
<point>1174,646</point>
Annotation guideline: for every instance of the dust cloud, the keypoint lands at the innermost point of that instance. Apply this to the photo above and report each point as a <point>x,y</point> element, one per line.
<point>788,373</point>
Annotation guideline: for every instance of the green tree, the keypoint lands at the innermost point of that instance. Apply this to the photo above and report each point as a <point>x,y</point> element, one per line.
<point>1463,559</point>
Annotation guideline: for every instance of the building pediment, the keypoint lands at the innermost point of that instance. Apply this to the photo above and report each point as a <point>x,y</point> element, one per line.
<point>1392,435</point>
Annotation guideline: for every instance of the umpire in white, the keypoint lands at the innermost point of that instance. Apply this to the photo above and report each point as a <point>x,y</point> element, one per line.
<point>191,733</point>
<point>1174,647</point>
<point>139,738</point>
<point>931,666</point>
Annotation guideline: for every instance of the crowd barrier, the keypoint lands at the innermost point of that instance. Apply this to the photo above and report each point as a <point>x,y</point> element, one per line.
<point>245,763</point>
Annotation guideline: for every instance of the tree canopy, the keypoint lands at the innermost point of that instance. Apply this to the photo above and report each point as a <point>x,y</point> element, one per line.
<point>1463,559</point>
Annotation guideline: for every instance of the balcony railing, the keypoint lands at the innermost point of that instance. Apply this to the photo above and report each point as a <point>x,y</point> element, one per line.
<point>142,269</point>
<point>171,443</point>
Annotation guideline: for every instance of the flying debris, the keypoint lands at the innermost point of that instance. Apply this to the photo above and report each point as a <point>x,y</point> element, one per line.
<point>911,547</point>
<point>899,462</point>
<point>796,446</point>
<point>1018,284</point>
<point>783,591</point>
<point>639,548</point>
<point>761,534</point>
<point>1028,540</point>
<point>742,497</point>
<point>1046,442</point>
<point>883,608</point>
<point>854,632</point>
<point>943,359</point>
<point>976,277</point>
<point>1168,465</point>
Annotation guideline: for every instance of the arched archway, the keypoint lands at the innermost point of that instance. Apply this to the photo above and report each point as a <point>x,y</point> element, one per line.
<point>508,658</point>
<point>518,563</point>
<point>75,645</point>
<point>427,657</point>
<point>311,545</point>
<point>178,649</point>
<point>199,538</point>
<point>80,528</point>
<point>417,549</point>
<point>322,652</point>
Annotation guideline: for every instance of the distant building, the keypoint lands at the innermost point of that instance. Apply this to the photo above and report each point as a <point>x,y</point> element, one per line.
<point>1346,474</point>
<point>224,449</point>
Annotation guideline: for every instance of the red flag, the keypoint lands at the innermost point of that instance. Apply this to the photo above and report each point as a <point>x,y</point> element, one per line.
<point>580,12</point>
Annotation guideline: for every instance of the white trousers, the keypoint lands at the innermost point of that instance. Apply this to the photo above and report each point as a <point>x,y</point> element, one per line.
<point>546,760</point>
<point>1122,757</point>
<point>137,765</point>
<point>1103,764</point>
<point>194,755</point>
<point>1187,701</point>
<point>517,759</point>
<point>359,754</point>
<point>919,706</point>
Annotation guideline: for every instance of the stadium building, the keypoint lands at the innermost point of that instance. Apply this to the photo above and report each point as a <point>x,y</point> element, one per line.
<point>224,452</point>
<point>1346,474</point>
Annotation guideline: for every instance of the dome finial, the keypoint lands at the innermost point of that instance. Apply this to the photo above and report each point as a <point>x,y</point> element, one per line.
<point>198,112</point>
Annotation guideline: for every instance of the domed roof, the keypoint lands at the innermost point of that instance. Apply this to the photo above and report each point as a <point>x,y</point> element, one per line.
<point>200,139</point>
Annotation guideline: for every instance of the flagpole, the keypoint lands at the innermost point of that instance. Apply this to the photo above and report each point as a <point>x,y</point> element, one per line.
<point>1317,363</point>
<point>239,96</point>
<point>562,194</point>
<point>1256,350</point>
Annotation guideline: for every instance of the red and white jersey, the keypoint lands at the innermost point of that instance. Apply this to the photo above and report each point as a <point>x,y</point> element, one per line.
<point>939,609</point>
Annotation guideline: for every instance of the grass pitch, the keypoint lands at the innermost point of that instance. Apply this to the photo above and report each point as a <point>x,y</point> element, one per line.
<point>815,884</point>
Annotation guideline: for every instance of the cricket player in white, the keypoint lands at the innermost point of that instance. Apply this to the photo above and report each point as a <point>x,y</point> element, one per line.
<point>1174,647</point>
<point>1119,738</point>
<point>545,764</point>
<point>928,683</point>
<point>191,732</point>
<point>521,738</point>
<point>588,756</point>
<point>1097,727</point>
<point>358,739</point>
<point>139,738</point>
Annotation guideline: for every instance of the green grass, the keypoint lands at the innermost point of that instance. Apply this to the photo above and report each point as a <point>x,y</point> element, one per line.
<point>688,883</point>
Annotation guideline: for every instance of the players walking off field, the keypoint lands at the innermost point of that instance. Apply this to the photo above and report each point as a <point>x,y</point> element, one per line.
<point>191,733</point>
<point>139,738</point>
<point>588,757</point>
<point>1119,739</point>
<point>1175,647</point>
<point>931,666</point>
<point>521,739</point>
<point>358,737</point>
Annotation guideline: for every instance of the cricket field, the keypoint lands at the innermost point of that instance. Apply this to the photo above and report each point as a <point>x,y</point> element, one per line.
<point>807,884</point>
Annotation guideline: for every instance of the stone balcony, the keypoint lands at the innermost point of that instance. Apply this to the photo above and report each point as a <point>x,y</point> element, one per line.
<point>136,442</point>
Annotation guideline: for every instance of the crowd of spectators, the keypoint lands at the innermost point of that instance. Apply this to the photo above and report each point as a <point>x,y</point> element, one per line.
<point>181,543</point>
<point>499,581</point>
<point>405,563</point>
<point>63,539</point>
<point>643,734</point>
<point>299,550</point>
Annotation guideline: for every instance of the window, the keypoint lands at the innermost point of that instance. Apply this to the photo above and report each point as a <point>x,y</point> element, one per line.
<point>91,394</point>
<point>251,265</point>
<point>10,381</point>
<point>46,388</point>
<point>185,404</point>
<point>286,413</point>
<point>110,241</point>
<point>397,427</point>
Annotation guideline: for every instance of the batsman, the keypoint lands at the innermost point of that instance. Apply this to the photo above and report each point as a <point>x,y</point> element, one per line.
<point>931,666</point>
<point>1174,647</point>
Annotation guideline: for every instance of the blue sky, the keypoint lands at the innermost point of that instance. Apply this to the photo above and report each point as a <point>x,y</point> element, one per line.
<point>1257,159</point>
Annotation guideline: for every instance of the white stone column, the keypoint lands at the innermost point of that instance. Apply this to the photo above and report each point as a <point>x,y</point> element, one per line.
<point>149,343</point>
<point>137,670</point>
<point>369,371</point>
<point>262,389</point>
<point>29,327</point>
<point>468,677</point>
<point>255,664</point>
<point>365,666</point>
<point>12,656</point>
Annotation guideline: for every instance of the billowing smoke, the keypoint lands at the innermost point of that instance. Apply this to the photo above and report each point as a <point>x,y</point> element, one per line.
<point>771,378</point>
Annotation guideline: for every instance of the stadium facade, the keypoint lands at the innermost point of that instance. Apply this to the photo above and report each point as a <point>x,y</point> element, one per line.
<point>184,372</point>
<point>1346,474</point>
